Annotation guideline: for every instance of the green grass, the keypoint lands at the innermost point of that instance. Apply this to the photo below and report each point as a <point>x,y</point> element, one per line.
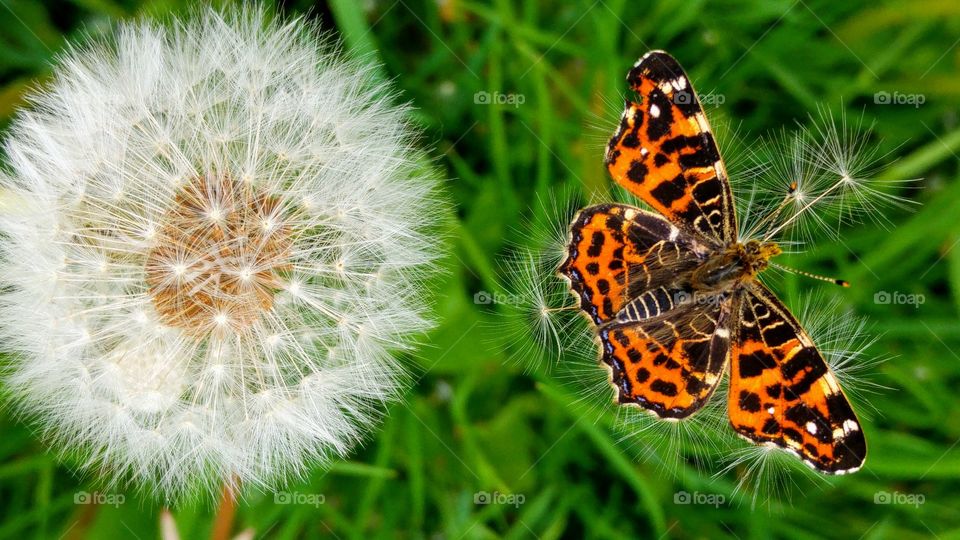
<point>476,421</point>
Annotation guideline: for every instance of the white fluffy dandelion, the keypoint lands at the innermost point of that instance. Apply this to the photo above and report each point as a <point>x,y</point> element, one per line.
<point>214,238</point>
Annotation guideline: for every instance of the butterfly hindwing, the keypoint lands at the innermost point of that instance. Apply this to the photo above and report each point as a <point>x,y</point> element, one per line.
<point>783,393</point>
<point>670,364</point>
<point>665,153</point>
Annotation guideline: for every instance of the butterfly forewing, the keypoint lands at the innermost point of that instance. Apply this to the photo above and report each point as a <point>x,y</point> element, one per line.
<point>665,153</point>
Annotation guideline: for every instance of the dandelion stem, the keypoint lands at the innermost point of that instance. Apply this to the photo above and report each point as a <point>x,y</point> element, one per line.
<point>556,309</point>
<point>168,527</point>
<point>772,216</point>
<point>800,212</point>
<point>223,521</point>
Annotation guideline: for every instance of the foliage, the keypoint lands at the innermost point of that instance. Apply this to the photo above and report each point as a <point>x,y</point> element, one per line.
<point>477,421</point>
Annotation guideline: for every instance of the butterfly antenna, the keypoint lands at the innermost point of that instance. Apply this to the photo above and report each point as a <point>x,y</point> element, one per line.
<point>840,282</point>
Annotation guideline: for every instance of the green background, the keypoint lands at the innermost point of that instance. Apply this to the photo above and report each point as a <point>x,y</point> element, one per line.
<point>477,421</point>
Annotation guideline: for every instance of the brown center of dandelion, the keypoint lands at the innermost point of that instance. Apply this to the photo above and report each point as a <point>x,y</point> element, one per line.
<point>218,256</point>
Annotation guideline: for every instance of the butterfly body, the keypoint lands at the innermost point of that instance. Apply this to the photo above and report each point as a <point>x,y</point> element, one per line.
<point>738,263</point>
<point>675,295</point>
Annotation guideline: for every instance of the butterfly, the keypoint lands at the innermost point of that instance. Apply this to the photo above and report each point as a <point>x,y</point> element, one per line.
<point>675,297</point>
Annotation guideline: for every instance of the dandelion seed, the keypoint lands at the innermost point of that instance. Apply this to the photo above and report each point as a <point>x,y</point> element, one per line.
<point>173,200</point>
<point>767,475</point>
<point>541,322</point>
<point>819,178</point>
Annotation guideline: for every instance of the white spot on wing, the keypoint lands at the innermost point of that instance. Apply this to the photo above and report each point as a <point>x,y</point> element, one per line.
<point>654,111</point>
<point>702,122</point>
<point>811,428</point>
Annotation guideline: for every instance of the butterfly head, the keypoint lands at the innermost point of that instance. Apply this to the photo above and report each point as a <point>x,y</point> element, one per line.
<point>754,255</point>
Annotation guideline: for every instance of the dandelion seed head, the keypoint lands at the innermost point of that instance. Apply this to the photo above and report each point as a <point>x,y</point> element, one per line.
<point>799,185</point>
<point>215,239</point>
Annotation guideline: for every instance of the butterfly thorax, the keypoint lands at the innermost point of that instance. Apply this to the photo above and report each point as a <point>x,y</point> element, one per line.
<point>737,263</point>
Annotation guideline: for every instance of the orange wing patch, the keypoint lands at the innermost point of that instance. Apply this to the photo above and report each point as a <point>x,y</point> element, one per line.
<point>664,151</point>
<point>670,364</point>
<point>782,392</point>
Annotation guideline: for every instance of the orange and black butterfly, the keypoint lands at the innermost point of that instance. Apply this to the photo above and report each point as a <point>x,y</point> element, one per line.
<point>675,297</point>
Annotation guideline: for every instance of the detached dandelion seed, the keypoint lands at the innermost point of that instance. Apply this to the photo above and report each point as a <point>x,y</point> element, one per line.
<point>543,322</point>
<point>818,179</point>
<point>214,239</point>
